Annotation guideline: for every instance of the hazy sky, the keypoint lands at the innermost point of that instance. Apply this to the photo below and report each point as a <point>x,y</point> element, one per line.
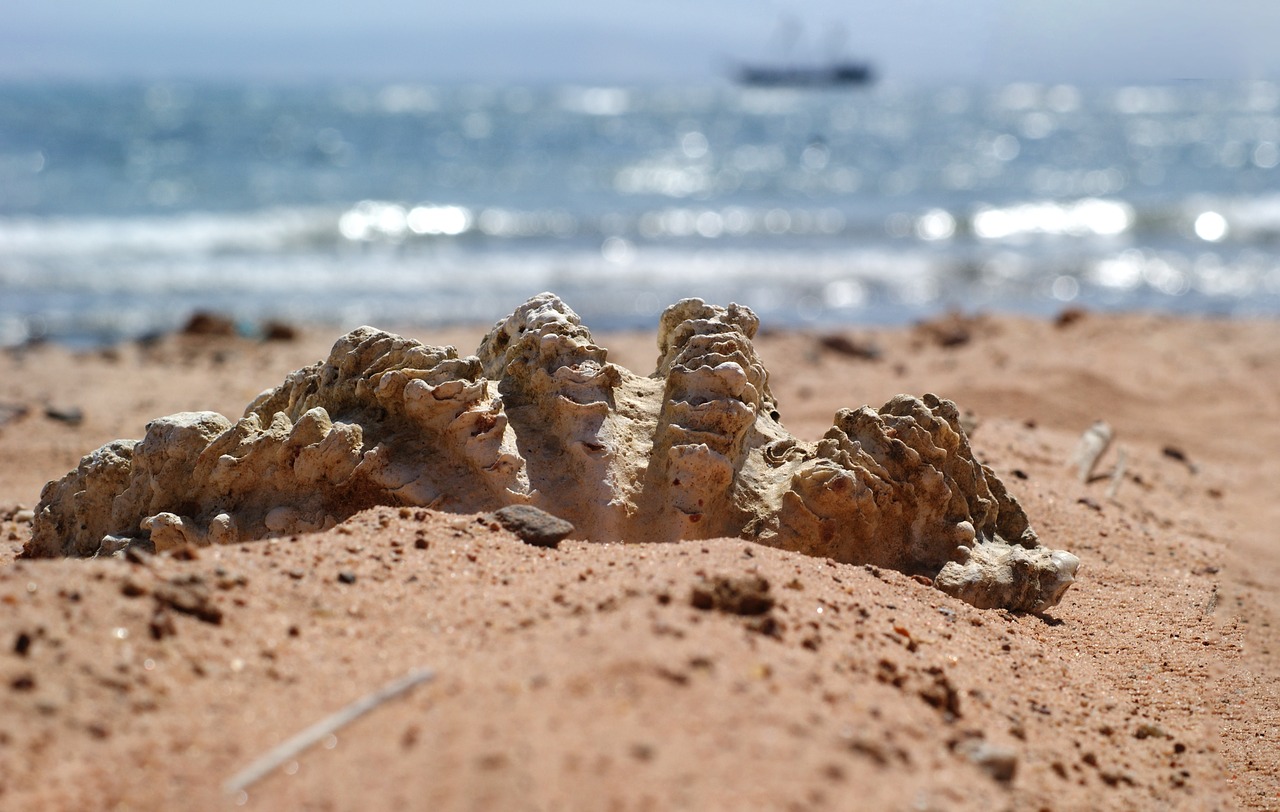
<point>936,41</point>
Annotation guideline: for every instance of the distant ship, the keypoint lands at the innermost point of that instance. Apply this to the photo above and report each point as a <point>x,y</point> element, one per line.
<point>793,70</point>
<point>835,74</point>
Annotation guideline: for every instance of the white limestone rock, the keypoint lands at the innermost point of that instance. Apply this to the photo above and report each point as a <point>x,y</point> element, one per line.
<point>996,575</point>
<point>540,417</point>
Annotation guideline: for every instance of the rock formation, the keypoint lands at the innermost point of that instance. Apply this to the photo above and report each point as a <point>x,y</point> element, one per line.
<point>540,417</point>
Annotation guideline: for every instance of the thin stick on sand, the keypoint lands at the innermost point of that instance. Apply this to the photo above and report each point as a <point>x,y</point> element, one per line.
<point>273,758</point>
<point>1117,476</point>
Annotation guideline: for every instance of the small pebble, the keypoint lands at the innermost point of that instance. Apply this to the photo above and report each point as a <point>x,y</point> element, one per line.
<point>1001,763</point>
<point>533,525</point>
<point>347,577</point>
<point>72,416</point>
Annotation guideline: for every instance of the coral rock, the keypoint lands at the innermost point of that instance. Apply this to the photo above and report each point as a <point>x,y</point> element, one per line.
<point>540,417</point>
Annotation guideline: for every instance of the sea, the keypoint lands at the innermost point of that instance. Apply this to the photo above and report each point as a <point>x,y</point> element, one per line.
<point>127,207</point>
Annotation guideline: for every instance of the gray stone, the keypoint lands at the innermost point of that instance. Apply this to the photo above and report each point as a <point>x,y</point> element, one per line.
<point>533,525</point>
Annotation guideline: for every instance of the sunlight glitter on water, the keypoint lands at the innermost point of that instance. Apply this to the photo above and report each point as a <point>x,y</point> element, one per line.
<point>125,208</point>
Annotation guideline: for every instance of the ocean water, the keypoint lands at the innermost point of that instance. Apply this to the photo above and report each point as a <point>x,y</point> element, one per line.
<point>125,208</point>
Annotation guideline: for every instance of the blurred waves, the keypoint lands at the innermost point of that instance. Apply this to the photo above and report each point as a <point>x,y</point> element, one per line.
<point>123,208</point>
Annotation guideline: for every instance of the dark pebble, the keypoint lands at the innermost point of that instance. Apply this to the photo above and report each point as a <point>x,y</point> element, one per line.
<point>1000,763</point>
<point>162,625</point>
<point>279,331</point>
<point>203,323</point>
<point>1069,316</point>
<point>72,416</point>
<point>532,525</point>
<point>347,577</point>
<point>844,345</point>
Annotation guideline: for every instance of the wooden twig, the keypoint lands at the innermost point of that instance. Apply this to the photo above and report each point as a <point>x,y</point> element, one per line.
<point>1212,603</point>
<point>273,758</point>
<point>1117,476</point>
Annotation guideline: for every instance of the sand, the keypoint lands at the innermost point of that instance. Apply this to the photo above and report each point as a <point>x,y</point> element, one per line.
<point>591,677</point>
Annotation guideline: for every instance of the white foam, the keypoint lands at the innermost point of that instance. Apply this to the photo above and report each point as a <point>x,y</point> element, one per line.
<point>183,234</point>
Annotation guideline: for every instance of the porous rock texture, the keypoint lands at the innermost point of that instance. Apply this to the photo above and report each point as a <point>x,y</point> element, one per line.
<point>540,417</point>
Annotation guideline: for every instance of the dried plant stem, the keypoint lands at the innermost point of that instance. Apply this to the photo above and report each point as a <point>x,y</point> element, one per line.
<point>273,758</point>
<point>1093,444</point>
<point>1117,476</point>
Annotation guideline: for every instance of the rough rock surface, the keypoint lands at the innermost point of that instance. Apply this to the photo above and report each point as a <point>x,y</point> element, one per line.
<point>540,417</point>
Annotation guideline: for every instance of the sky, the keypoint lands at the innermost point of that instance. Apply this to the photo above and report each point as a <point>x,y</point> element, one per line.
<point>605,41</point>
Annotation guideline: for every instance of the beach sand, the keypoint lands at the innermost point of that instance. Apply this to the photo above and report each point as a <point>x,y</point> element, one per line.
<point>585,678</point>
